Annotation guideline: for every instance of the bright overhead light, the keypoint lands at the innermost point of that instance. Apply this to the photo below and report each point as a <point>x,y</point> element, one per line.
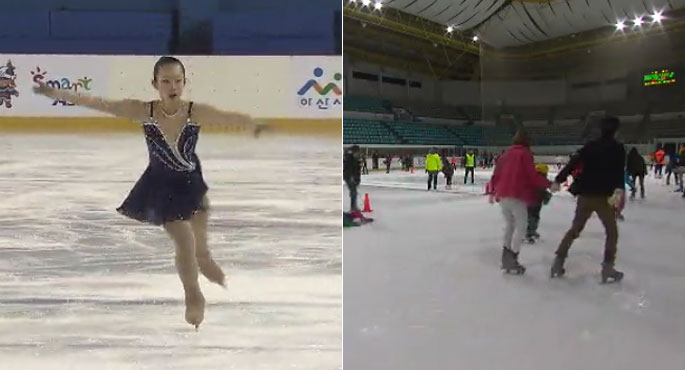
<point>657,17</point>
<point>366,2</point>
<point>620,25</point>
<point>475,38</point>
<point>638,21</point>
<point>450,29</point>
<point>378,5</point>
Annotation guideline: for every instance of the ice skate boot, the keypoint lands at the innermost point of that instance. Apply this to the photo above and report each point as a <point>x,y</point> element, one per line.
<point>558,269</point>
<point>530,239</point>
<point>610,274</point>
<point>195,308</point>
<point>510,263</point>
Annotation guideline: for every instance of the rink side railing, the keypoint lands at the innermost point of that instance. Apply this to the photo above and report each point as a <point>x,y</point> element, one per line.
<point>542,154</point>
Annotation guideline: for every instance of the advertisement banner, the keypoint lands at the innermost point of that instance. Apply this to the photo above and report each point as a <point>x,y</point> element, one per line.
<point>266,87</point>
<point>20,73</point>
<point>317,83</point>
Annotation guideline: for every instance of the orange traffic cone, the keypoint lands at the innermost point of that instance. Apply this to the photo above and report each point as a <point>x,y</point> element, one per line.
<point>367,204</point>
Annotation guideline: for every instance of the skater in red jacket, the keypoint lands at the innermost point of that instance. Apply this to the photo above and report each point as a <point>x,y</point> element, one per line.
<point>515,184</point>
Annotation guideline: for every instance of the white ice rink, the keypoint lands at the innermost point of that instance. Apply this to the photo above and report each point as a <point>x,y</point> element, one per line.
<point>423,288</point>
<point>82,287</point>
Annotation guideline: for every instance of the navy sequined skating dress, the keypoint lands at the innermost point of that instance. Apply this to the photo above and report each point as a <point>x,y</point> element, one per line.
<point>172,187</point>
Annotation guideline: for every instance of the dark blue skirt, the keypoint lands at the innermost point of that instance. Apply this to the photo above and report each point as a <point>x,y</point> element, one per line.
<point>162,195</point>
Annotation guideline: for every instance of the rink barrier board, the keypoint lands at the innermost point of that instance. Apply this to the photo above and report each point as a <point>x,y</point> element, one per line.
<point>261,86</point>
<point>324,126</point>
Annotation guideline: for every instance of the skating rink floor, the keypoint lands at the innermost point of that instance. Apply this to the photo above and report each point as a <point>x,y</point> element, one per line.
<point>423,288</point>
<point>82,287</point>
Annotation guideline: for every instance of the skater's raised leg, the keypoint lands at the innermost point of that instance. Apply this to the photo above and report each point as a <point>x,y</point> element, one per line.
<point>208,267</point>
<point>181,233</point>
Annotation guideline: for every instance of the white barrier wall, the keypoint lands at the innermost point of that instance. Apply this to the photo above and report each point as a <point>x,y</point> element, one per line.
<point>292,87</point>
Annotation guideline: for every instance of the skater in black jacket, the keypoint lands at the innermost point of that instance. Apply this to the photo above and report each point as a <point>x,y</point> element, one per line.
<point>600,189</point>
<point>352,174</point>
<point>636,169</point>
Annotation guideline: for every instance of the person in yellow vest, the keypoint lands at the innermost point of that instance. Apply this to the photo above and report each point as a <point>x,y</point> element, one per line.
<point>433,167</point>
<point>470,165</point>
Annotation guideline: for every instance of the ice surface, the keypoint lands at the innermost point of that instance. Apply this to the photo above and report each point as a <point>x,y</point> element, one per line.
<point>82,287</point>
<point>423,288</point>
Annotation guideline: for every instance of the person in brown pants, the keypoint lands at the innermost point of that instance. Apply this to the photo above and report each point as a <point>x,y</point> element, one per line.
<point>600,188</point>
<point>586,206</point>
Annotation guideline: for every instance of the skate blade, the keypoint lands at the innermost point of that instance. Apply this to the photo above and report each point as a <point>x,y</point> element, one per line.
<point>197,328</point>
<point>557,274</point>
<point>514,271</point>
<point>611,280</point>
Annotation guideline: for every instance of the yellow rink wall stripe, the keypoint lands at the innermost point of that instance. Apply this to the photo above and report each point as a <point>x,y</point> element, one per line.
<point>329,127</point>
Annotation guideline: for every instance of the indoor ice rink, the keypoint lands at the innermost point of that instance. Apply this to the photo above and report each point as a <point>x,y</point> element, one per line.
<point>423,285</point>
<point>83,286</point>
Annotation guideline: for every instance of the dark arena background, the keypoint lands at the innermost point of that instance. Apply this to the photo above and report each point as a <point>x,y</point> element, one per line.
<point>422,283</point>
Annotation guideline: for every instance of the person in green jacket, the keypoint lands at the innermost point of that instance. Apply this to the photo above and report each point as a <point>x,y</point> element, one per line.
<point>470,165</point>
<point>433,167</point>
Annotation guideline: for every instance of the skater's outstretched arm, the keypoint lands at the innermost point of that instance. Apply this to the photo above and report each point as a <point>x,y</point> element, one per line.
<point>133,109</point>
<point>206,114</point>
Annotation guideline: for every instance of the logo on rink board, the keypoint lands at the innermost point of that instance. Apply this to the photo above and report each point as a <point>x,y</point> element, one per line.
<point>314,95</point>
<point>82,84</point>
<point>8,85</point>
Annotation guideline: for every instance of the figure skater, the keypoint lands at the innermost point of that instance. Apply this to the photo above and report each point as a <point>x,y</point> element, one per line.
<point>171,192</point>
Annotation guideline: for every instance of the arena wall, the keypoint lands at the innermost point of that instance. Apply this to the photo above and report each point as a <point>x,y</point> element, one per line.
<point>283,91</point>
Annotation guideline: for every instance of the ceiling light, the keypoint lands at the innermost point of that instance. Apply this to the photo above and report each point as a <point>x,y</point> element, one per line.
<point>366,2</point>
<point>378,5</point>
<point>475,38</point>
<point>638,21</point>
<point>620,25</point>
<point>657,17</point>
<point>450,29</point>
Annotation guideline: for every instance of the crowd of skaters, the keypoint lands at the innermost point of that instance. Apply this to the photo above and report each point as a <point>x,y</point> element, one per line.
<point>601,170</point>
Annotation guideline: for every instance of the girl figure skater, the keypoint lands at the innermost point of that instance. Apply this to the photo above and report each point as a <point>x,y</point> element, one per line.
<point>171,192</point>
